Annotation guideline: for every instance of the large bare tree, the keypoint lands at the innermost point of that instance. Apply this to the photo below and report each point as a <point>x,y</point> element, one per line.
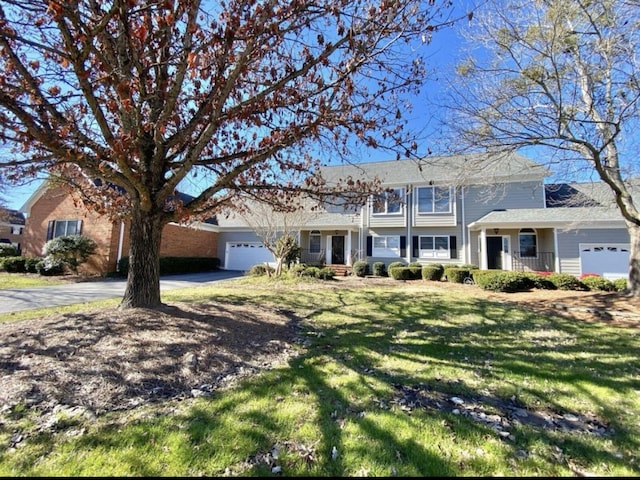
<point>233,96</point>
<point>561,76</point>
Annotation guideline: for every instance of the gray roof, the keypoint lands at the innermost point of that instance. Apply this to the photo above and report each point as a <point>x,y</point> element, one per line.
<point>451,170</point>
<point>561,217</point>
<point>328,217</point>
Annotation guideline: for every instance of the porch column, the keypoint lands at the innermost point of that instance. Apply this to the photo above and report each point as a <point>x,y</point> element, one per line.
<point>483,249</point>
<point>347,249</point>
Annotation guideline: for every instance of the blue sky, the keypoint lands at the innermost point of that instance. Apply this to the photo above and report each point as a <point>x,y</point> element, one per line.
<point>441,53</point>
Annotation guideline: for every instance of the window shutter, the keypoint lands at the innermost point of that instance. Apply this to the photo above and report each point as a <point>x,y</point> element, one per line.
<point>50,229</point>
<point>403,246</point>
<point>369,246</point>
<point>415,244</point>
<point>453,247</point>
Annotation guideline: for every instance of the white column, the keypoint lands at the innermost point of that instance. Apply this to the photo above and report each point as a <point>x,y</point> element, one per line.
<point>483,249</point>
<point>347,249</point>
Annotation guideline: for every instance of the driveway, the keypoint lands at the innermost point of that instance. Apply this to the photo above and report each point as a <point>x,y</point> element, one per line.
<point>18,299</point>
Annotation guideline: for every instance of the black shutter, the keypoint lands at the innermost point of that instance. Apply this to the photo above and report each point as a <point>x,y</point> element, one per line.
<point>50,229</point>
<point>403,246</point>
<point>416,248</point>
<point>369,246</point>
<point>453,247</point>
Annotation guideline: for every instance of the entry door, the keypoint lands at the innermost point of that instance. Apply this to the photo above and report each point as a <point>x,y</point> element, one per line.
<point>337,250</point>
<point>494,253</point>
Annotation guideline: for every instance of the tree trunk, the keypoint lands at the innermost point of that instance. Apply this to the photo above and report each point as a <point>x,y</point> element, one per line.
<point>634,259</point>
<point>143,279</point>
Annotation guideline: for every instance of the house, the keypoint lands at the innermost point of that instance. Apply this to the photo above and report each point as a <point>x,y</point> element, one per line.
<point>51,212</point>
<point>494,212</point>
<point>11,227</point>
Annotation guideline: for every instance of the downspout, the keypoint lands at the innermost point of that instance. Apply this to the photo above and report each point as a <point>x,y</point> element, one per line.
<point>120,242</point>
<point>409,213</point>
<point>466,250</point>
<point>555,247</point>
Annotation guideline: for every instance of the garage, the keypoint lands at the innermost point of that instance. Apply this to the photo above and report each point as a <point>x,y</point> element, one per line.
<point>608,260</point>
<point>243,255</point>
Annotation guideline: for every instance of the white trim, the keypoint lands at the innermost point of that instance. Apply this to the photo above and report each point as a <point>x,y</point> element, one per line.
<point>120,244</point>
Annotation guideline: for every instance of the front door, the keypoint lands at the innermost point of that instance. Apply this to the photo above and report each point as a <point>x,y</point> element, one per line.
<point>494,253</point>
<point>337,250</point>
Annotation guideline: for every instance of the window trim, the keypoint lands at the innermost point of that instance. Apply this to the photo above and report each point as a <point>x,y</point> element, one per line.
<point>315,234</point>
<point>433,200</point>
<point>53,226</point>
<point>531,232</point>
<point>434,250</point>
<point>386,251</point>
<point>385,195</point>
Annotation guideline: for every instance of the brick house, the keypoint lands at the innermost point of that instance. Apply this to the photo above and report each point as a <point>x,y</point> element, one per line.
<point>50,212</point>
<point>11,227</point>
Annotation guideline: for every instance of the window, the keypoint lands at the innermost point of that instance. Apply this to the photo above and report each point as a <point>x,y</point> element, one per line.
<point>434,200</point>
<point>315,241</point>
<point>388,202</point>
<point>528,242</point>
<point>386,246</point>
<point>59,228</point>
<point>435,247</point>
<point>16,230</point>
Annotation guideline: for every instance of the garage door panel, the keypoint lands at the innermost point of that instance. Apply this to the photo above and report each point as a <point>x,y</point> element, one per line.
<point>608,260</point>
<point>243,255</point>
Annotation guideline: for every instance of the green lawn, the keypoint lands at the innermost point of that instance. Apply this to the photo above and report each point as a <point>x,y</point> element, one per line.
<point>389,381</point>
<point>23,280</point>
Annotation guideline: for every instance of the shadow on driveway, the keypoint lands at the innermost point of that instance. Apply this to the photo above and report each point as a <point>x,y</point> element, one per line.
<point>19,299</point>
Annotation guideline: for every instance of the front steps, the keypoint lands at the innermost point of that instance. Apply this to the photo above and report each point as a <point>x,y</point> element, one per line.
<point>340,270</point>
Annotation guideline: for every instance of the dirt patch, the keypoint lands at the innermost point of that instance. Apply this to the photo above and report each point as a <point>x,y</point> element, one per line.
<point>110,359</point>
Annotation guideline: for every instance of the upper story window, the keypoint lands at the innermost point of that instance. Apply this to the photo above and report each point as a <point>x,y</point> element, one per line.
<point>528,240</point>
<point>60,228</point>
<point>388,202</point>
<point>386,246</point>
<point>434,199</point>
<point>16,230</point>
<point>315,241</point>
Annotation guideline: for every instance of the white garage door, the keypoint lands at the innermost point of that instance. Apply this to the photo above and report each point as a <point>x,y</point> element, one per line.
<point>608,259</point>
<point>242,255</point>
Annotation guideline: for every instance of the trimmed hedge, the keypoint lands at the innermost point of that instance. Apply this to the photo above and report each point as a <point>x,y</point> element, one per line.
<point>13,264</point>
<point>379,269</point>
<point>360,268</point>
<point>598,283</point>
<point>502,281</point>
<point>566,281</point>
<point>457,275</point>
<point>405,273</point>
<point>175,265</point>
<point>620,284</point>
<point>433,272</point>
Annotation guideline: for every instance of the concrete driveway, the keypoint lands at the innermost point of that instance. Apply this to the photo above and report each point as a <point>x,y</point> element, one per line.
<point>18,299</point>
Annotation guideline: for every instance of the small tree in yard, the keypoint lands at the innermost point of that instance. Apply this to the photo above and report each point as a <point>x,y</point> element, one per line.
<point>70,251</point>
<point>562,77</point>
<point>236,97</point>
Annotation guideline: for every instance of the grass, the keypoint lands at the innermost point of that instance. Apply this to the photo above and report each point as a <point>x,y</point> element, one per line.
<point>24,280</point>
<point>370,394</point>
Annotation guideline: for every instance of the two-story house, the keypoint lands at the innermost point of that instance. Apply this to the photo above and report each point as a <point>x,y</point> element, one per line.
<point>494,212</point>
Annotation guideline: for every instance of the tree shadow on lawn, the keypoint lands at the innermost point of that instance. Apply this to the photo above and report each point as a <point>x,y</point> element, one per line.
<point>507,346</point>
<point>453,356</point>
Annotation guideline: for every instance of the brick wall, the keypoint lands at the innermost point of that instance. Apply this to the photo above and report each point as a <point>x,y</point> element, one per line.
<point>55,204</point>
<point>6,232</point>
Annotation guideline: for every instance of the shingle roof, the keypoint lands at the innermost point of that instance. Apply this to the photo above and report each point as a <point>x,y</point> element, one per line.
<point>560,217</point>
<point>460,169</point>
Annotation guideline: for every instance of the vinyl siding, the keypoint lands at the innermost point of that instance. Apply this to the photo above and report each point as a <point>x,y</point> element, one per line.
<point>480,200</point>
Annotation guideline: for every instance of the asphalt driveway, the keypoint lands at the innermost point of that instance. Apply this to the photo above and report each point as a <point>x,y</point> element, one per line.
<point>18,299</point>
